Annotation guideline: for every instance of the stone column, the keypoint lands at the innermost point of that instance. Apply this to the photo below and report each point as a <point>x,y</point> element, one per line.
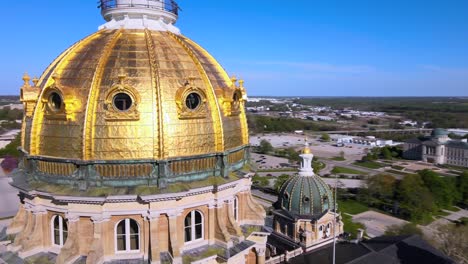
<point>71,249</point>
<point>174,229</point>
<point>155,252</point>
<point>96,252</point>
<point>260,255</point>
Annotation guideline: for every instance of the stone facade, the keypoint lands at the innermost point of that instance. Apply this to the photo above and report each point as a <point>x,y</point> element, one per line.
<point>307,232</point>
<point>437,149</point>
<point>161,219</point>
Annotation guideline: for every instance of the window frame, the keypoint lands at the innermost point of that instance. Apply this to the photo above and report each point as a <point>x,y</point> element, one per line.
<point>62,238</point>
<point>235,208</point>
<point>127,236</point>
<point>193,226</point>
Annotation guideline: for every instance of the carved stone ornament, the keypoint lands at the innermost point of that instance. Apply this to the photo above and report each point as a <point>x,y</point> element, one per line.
<point>122,102</point>
<point>60,102</point>
<point>191,102</point>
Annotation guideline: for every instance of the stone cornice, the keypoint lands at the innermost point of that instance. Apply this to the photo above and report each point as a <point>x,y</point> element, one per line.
<point>134,198</point>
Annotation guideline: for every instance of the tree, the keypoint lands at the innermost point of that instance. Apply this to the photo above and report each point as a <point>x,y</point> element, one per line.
<point>292,154</point>
<point>443,191</point>
<point>416,201</point>
<point>382,186</point>
<point>452,240</point>
<point>386,153</point>
<point>12,148</point>
<point>406,229</point>
<point>462,186</point>
<point>342,154</point>
<point>325,137</point>
<point>280,181</point>
<point>265,147</point>
<point>9,164</point>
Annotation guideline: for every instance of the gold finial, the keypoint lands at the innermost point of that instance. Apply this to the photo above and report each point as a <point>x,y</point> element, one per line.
<point>35,81</point>
<point>122,75</point>
<point>241,84</point>
<point>234,79</point>
<point>26,79</point>
<point>306,148</point>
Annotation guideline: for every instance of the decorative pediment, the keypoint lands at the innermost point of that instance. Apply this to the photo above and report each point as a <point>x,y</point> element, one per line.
<point>122,102</point>
<point>191,101</point>
<point>60,102</point>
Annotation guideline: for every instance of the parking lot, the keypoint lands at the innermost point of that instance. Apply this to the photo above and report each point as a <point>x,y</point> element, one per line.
<point>319,148</point>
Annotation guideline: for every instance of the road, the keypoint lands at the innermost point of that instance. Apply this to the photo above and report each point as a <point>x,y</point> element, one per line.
<point>410,130</point>
<point>9,200</point>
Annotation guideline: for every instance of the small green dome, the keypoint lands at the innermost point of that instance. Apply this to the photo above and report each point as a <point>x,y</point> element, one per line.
<point>439,132</point>
<point>305,196</point>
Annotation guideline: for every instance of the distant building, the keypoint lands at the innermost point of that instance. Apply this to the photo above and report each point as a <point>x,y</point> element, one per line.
<point>439,148</point>
<point>305,212</point>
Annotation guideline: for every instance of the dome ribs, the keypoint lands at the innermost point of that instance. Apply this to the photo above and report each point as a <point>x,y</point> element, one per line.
<point>90,116</point>
<point>211,94</point>
<point>157,95</point>
<point>47,80</point>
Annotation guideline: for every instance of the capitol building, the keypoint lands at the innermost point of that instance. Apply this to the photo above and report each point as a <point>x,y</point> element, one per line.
<point>135,146</point>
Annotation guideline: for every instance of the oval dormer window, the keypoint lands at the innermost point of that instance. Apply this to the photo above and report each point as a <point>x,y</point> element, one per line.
<point>55,102</point>
<point>193,101</point>
<point>122,101</point>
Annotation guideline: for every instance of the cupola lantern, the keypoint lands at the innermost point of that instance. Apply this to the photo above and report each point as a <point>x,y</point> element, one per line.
<point>160,15</point>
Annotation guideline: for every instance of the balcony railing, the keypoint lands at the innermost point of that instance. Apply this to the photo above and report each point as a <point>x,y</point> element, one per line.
<point>164,5</point>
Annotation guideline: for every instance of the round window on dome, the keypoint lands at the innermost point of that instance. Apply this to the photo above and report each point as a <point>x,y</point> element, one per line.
<point>55,101</point>
<point>306,199</point>
<point>193,101</point>
<point>286,196</point>
<point>122,101</point>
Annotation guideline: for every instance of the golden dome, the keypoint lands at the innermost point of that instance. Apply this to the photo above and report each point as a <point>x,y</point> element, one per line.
<point>134,94</point>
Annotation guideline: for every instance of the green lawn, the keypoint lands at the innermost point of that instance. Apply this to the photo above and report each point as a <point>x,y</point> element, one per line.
<point>350,226</point>
<point>369,164</point>
<point>351,207</point>
<point>338,169</point>
<point>338,158</point>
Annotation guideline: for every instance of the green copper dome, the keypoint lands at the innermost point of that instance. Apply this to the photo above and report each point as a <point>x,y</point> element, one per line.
<point>439,132</point>
<point>305,196</point>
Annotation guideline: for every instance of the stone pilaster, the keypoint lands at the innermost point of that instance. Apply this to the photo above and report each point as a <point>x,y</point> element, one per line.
<point>96,253</point>
<point>221,232</point>
<point>155,252</point>
<point>232,225</point>
<point>71,249</point>
<point>33,240</point>
<point>211,223</point>
<point>175,243</point>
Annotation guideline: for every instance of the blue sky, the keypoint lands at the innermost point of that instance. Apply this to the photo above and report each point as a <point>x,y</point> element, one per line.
<point>309,48</point>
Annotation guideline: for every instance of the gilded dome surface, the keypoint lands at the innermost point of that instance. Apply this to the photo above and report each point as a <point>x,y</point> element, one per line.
<point>135,94</point>
<point>305,196</point>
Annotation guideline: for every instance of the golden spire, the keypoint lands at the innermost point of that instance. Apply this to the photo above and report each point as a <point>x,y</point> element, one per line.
<point>306,148</point>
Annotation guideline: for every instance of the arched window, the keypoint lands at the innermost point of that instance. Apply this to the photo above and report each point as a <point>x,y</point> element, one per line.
<point>193,226</point>
<point>320,232</point>
<point>127,236</point>
<point>235,209</point>
<point>59,230</point>
<point>328,230</point>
